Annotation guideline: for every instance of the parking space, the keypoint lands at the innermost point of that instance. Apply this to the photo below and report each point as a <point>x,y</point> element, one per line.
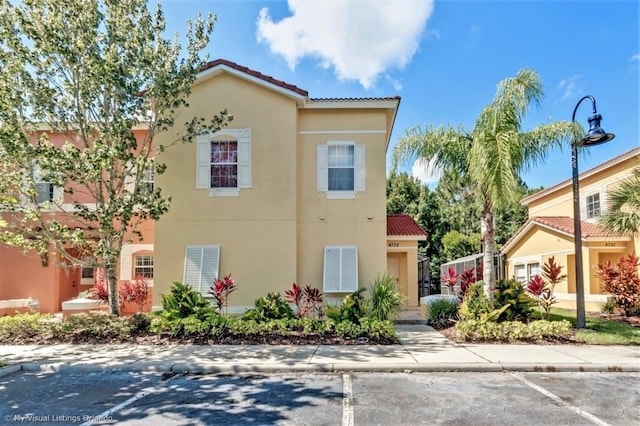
<point>321,399</point>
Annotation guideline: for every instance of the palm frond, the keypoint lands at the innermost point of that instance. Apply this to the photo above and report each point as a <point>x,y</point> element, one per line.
<point>447,146</point>
<point>547,138</point>
<point>624,206</point>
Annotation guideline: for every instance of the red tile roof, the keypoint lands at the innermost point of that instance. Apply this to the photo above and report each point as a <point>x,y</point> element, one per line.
<point>563,224</point>
<point>254,73</point>
<point>403,225</point>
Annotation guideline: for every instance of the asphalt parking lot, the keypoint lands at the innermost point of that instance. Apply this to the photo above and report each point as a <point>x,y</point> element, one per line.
<point>321,399</point>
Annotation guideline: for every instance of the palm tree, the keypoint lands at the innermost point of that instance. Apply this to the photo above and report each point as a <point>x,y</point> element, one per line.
<point>624,206</point>
<point>493,154</point>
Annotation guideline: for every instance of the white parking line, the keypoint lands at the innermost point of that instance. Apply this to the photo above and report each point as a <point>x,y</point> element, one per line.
<point>560,401</point>
<point>106,415</point>
<point>347,400</point>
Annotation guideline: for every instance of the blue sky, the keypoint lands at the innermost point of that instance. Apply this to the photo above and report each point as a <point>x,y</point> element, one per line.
<point>444,58</point>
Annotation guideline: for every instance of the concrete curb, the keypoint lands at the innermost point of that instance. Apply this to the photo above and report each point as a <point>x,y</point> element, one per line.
<point>199,369</point>
<point>10,369</point>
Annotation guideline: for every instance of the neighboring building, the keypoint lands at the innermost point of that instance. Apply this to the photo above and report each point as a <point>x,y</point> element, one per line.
<point>292,190</point>
<point>549,231</point>
<point>51,279</point>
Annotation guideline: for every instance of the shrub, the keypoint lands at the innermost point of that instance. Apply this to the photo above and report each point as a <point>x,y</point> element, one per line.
<point>622,281</point>
<point>353,307</point>
<point>21,326</point>
<point>269,307</point>
<point>512,293</point>
<point>136,292</point>
<point>221,290</point>
<point>308,301</point>
<point>450,278</point>
<point>441,313</point>
<point>98,326</point>
<point>467,278</point>
<point>183,302</point>
<point>99,291</point>
<point>476,305</point>
<point>552,273</point>
<point>512,330</point>
<point>540,290</point>
<point>608,307</point>
<point>386,301</point>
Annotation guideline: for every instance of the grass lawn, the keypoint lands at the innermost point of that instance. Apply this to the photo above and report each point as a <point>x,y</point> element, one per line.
<point>600,331</point>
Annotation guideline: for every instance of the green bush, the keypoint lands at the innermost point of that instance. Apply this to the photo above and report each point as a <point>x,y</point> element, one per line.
<point>22,326</point>
<point>512,330</point>
<point>99,326</point>
<point>441,313</point>
<point>184,302</point>
<point>269,307</point>
<point>353,307</point>
<point>514,294</point>
<point>386,301</point>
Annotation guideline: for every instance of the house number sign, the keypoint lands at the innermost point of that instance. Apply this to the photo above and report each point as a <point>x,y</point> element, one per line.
<point>393,245</point>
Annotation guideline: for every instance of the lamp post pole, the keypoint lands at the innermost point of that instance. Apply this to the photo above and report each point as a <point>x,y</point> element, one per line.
<point>595,136</point>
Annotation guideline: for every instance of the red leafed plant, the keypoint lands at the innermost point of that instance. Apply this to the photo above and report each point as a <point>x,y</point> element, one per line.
<point>622,281</point>
<point>539,289</point>
<point>450,278</point>
<point>100,291</point>
<point>308,300</point>
<point>136,291</point>
<point>467,278</point>
<point>552,273</point>
<point>221,290</point>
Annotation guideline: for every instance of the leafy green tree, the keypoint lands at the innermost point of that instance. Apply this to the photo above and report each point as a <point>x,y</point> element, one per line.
<point>624,206</point>
<point>94,71</point>
<point>493,154</point>
<point>458,245</point>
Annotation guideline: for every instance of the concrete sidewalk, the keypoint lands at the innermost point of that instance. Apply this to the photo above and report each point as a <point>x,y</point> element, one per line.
<point>422,349</point>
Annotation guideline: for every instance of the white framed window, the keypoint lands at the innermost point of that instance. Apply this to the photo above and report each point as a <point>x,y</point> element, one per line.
<point>533,269</point>
<point>87,273</point>
<point>143,266</point>
<point>147,183</point>
<point>223,162</point>
<point>519,274</point>
<point>340,269</point>
<point>593,206</point>
<point>45,191</point>
<point>201,265</point>
<point>341,169</point>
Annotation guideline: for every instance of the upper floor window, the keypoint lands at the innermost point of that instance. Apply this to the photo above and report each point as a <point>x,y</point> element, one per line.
<point>593,206</point>
<point>44,191</point>
<point>223,162</point>
<point>341,169</point>
<point>148,179</point>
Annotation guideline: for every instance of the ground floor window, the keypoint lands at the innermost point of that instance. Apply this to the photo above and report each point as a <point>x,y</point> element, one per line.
<point>143,266</point>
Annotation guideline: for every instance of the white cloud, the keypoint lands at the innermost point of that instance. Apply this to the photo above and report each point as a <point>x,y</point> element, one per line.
<point>425,171</point>
<point>569,87</point>
<point>359,39</point>
<point>636,57</point>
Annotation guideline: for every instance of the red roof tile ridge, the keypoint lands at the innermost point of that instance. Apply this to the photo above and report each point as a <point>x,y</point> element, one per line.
<point>254,73</point>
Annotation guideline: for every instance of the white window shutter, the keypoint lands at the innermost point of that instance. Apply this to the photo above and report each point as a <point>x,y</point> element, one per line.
<point>203,162</point>
<point>244,161</point>
<point>201,267</point>
<point>604,201</point>
<point>58,194</point>
<point>360,176</point>
<point>349,269</point>
<point>323,173</point>
<point>583,207</point>
<point>332,266</point>
<point>129,180</point>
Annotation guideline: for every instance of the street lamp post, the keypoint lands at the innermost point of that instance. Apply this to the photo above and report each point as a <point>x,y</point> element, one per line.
<point>595,136</point>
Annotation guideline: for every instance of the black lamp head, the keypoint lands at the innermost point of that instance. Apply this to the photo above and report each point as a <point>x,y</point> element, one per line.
<point>596,134</point>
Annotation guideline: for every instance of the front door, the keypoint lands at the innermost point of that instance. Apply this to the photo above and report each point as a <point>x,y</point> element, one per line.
<point>393,268</point>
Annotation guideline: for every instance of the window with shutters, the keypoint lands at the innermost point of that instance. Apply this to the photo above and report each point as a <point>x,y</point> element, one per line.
<point>341,169</point>
<point>340,269</point>
<point>223,163</point>
<point>593,206</point>
<point>201,267</point>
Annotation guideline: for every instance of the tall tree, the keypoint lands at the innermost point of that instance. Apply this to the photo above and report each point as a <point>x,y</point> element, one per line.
<point>493,154</point>
<point>95,72</point>
<point>623,214</point>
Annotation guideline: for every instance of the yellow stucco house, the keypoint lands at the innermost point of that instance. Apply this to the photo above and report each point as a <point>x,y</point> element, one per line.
<point>549,231</point>
<point>292,190</point>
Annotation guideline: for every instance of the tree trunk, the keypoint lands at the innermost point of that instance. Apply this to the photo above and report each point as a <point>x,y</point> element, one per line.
<point>112,279</point>
<point>487,233</point>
